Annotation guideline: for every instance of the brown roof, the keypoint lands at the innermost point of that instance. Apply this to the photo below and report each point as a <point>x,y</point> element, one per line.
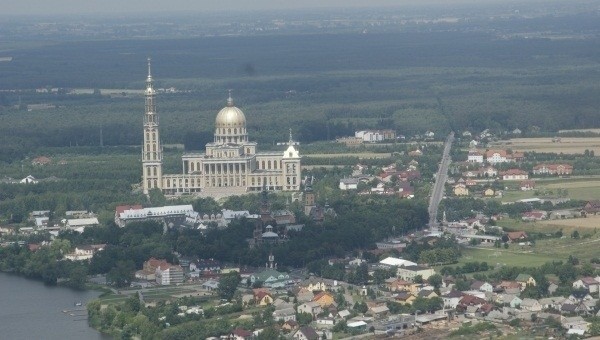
<point>121,208</point>
<point>515,235</point>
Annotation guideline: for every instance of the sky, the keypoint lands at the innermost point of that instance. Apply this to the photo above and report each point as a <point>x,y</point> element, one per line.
<point>52,7</point>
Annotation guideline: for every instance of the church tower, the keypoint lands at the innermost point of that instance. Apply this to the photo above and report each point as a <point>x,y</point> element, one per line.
<point>291,167</point>
<point>151,149</point>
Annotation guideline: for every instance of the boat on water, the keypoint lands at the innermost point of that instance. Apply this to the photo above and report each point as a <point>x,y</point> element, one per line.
<point>78,304</point>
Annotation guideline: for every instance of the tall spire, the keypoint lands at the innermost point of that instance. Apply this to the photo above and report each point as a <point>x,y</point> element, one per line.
<point>291,139</point>
<point>149,79</point>
<point>229,99</point>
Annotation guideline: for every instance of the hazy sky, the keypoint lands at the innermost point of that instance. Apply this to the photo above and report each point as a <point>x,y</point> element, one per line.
<point>10,7</point>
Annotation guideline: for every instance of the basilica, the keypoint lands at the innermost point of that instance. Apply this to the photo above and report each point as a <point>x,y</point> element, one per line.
<point>230,165</point>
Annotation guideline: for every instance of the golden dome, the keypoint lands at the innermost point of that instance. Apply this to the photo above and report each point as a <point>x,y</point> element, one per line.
<point>230,116</point>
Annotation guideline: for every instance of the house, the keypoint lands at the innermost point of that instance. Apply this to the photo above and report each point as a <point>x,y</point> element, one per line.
<point>427,294</point>
<point>149,269</point>
<point>210,285</point>
<point>475,156</point>
<point>588,283</point>
<point>399,285</point>
<point>343,314</point>
<point>470,182</point>
<point>29,180</point>
<point>289,325</point>
<point>496,156</point>
<point>314,284</point>
<point>263,298</point>
<point>285,314</point>
<point>461,189</point>
<point>270,278</point>
<point>592,207</point>
<point>349,183</point>
<point>551,302</point>
<point>482,286</point>
<point>534,215</point>
<point>511,300</point>
<point>84,252</point>
<point>240,334</point>
<point>525,280</point>
<point>378,311</point>
<point>531,305</point>
<point>488,172</point>
<point>517,236</point>
<point>408,273</point>
<point>527,185</point>
<point>312,308</point>
<point>514,175</point>
<point>470,301</point>
<point>489,192</point>
<point>553,169</point>
<point>41,160</point>
<point>405,297</point>
<point>324,299</point>
<point>452,298</point>
<point>576,324</point>
<point>306,333</point>
<point>509,287</point>
<point>76,223</point>
<point>205,265</point>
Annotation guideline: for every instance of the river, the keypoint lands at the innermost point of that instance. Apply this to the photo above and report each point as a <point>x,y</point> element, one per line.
<point>31,310</point>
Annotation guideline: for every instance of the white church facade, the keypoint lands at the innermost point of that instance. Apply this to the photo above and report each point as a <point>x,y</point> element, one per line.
<point>230,165</point>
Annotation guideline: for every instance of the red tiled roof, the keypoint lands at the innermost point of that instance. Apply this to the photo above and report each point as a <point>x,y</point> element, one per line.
<point>121,208</point>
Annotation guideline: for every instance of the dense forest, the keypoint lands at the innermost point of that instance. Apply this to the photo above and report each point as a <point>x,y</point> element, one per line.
<point>322,86</point>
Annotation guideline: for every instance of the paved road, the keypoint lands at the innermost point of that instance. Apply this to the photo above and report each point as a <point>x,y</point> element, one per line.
<point>440,180</point>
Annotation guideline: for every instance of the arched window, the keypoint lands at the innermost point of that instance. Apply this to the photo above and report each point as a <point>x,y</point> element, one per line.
<point>155,172</point>
<point>192,167</point>
<point>269,165</point>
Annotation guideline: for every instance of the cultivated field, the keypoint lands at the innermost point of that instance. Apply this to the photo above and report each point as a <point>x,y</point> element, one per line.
<point>591,222</point>
<point>359,155</point>
<point>567,145</point>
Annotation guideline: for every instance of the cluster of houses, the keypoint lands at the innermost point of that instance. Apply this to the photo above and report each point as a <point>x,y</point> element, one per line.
<point>42,220</point>
<point>391,181</point>
<point>487,160</point>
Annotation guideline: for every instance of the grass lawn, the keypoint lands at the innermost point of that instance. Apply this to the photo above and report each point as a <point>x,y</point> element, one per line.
<point>514,256</point>
<point>568,145</point>
<point>584,189</point>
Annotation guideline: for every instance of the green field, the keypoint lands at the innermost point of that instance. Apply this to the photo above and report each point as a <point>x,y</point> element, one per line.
<point>584,188</point>
<point>513,256</point>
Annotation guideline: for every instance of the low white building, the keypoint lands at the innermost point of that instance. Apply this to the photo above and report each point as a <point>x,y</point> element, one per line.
<point>410,272</point>
<point>349,183</point>
<point>76,223</point>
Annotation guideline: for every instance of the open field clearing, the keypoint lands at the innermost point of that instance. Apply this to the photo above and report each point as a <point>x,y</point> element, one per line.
<point>359,155</point>
<point>591,222</point>
<point>567,145</point>
<point>580,130</point>
<point>513,256</point>
<point>577,188</point>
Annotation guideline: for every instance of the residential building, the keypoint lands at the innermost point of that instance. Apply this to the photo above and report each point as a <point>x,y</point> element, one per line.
<point>588,283</point>
<point>408,273</point>
<point>514,175</point>
<point>82,253</point>
<point>553,169</point>
<point>349,183</point>
<point>168,274</point>
<point>461,189</point>
<point>270,278</point>
<point>324,299</point>
<point>305,333</point>
<point>525,280</point>
<point>475,156</point>
<point>313,308</point>
<point>530,305</point>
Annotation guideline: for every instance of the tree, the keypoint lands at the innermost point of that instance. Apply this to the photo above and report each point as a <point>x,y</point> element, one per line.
<point>304,318</point>
<point>418,279</point>
<point>435,280</point>
<point>121,274</point>
<point>228,285</point>
<point>575,234</point>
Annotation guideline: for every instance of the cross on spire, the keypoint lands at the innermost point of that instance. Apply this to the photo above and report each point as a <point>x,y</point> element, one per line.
<point>229,99</point>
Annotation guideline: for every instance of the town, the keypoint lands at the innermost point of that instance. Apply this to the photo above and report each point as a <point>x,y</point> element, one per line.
<point>462,275</point>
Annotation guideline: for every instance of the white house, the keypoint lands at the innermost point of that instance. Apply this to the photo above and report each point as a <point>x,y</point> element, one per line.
<point>530,305</point>
<point>349,183</point>
<point>75,223</point>
<point>588,283</point>
<point>84,252</point>
<point>475,156</point>
<point>168,274</point>
<point>29,180</point>
<point>410,272</point>
<point>312,308</point>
